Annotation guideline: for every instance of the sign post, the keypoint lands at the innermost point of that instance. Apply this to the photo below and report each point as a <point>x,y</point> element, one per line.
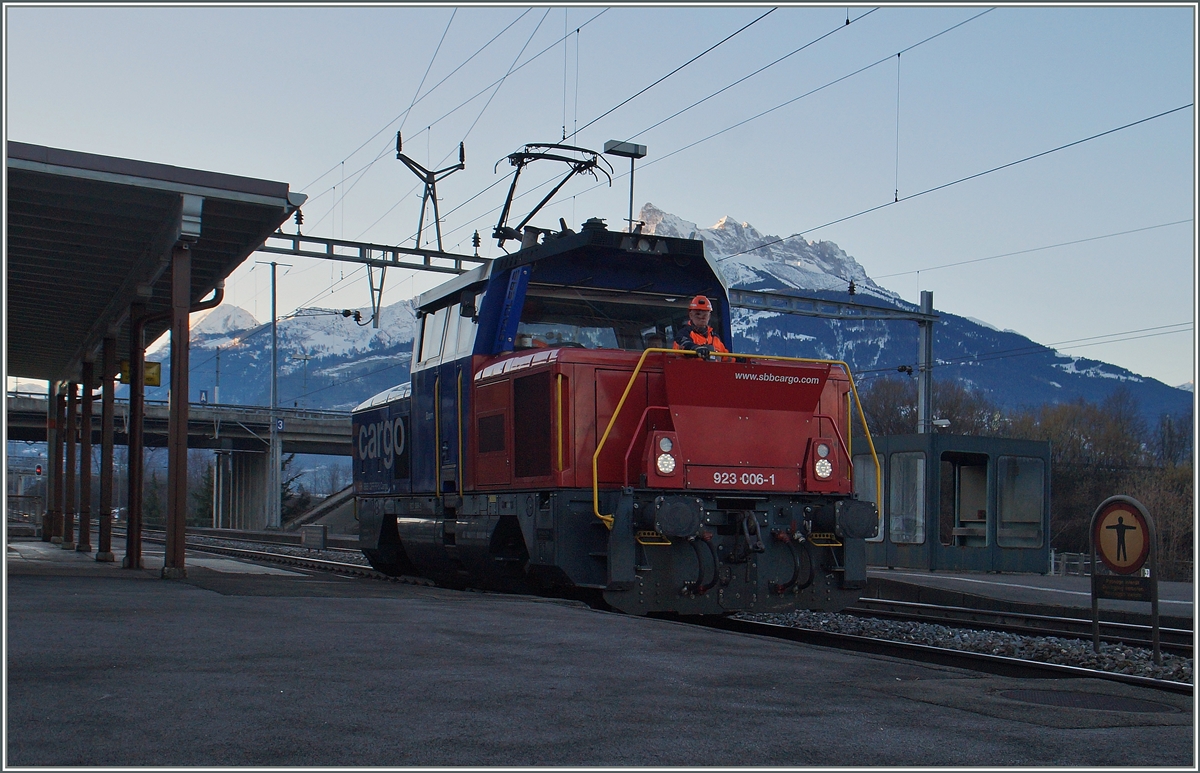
<point>1123,535</point>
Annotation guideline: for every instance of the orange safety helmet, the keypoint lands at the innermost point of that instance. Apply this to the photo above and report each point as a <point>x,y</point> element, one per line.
<point>700,303</point>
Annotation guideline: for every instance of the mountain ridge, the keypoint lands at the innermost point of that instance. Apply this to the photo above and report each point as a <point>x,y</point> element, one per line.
<point>327,360</point>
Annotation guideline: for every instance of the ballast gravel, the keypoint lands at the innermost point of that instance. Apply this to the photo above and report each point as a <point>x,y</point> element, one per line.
<point>341,555</point>
<point>1116,658</point>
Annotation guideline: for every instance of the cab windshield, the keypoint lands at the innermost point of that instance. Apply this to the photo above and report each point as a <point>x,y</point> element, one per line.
<point>598,319</point>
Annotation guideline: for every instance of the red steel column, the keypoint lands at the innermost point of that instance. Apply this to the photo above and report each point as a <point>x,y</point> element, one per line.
<point>51,470</point>
<point>177,492</point>
<point>108,372</point>
<point>68,541</point>
<point>56,459</point>
<point>84,544</point>
<point>137,410</point>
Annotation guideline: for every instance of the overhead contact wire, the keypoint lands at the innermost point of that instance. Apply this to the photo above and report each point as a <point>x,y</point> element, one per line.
<point>960,180</point>
<point>751,75</point>
<point>1036,348</point>
<point>496,83</point>
<point>672,72</point>
<point>427,93</point>
<point>887,58</point>
<point>1035,249</point>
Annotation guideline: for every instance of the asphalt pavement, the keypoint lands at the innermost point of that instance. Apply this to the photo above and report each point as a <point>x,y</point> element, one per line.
<point>240,665</point>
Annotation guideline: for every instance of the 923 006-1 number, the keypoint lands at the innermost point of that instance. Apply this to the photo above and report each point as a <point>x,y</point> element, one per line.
<point>722,478</point>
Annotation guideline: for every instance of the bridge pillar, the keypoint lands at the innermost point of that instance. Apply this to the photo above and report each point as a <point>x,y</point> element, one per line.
<point>222,476</point>
<point>239,489</point>
<point>247,491</point>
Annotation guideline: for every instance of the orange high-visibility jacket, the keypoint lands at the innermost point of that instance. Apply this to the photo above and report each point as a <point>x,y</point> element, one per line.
<point>689,338</point>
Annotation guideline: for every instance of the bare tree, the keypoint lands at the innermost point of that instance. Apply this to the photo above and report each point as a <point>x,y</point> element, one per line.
<point>334,478</point>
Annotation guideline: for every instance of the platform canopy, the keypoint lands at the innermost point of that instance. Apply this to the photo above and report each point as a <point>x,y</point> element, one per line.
<point>87,235</point>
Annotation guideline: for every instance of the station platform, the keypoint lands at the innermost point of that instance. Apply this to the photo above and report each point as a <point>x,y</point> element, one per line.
<point>246,665</point>
<point>1069,595</point>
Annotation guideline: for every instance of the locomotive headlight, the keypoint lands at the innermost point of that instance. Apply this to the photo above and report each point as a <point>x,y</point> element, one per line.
<point>665,463</point>
<point>822,450</point>
<point>665,444</point>
<point>823,468</point>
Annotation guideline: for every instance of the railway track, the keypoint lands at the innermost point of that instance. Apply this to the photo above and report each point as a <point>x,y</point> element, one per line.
<point>1177,641</point>
<point>1034,625</point>
<point>973,661</point>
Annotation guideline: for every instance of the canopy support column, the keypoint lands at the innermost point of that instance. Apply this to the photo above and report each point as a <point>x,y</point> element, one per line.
<point>177,451</point>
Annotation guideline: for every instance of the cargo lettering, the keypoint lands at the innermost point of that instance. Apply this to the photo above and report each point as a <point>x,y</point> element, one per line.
<point>381,439</point>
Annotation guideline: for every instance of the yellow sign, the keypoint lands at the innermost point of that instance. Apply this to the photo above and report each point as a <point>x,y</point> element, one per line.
<point>1122,538</point>
<point>153,371</point>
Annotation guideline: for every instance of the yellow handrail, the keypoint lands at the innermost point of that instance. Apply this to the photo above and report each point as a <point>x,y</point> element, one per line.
<point>608,519</point>
<point>558,416</point>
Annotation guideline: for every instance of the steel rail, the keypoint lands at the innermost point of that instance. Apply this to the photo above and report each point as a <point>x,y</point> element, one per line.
<point>1176,640</point>
<point>360,570</point>
<point>1001,665</point>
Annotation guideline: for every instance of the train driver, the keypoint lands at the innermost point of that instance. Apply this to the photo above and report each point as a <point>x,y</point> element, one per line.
<point>695,334</point>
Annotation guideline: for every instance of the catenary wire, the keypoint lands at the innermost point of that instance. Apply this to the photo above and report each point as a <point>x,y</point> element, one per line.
<point>672,72</point>
<point>1013,253</point>
<point>577,129</point>
<point>427,93</point>
<point>476,96</point>
<point>960,180</point>
<point>1034,249</point>
<point>751,75</point>
<point>358,174</point>
<point>1036,348</point>
<point>754,117</point>
<point>512,68</point>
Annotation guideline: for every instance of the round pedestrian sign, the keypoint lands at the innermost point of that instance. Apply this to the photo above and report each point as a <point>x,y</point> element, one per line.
<point>1121,537</point>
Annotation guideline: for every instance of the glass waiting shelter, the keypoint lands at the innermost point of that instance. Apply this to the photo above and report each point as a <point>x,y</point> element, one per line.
<point>959,503</point>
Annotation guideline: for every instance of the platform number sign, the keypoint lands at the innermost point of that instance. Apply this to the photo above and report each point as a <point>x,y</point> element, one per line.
<point>279,425</point>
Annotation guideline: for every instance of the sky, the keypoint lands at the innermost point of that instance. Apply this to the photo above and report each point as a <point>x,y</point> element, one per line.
<point>948,148</point>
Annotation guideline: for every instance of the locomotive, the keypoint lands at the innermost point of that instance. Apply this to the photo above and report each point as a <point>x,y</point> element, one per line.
<point>548,442</point>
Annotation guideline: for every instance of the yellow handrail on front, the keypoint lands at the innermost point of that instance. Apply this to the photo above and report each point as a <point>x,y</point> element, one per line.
<point>559,419</point>
<point>608,519</point>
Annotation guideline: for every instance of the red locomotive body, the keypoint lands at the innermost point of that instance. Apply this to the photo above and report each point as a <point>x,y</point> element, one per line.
<point>664,480</point>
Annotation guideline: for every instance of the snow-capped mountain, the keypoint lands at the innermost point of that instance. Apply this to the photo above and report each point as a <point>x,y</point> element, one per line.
<point>780,265</point>
<point>1008,368</point>
<point>327,360</point>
